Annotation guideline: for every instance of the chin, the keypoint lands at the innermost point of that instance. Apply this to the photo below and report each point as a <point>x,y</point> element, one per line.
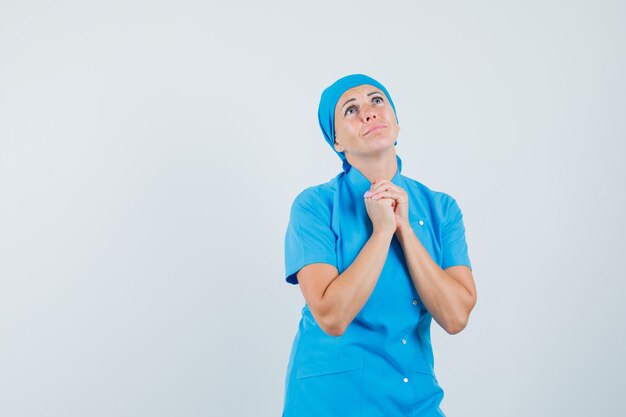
<point>381,147</point>
<point>383,141</point>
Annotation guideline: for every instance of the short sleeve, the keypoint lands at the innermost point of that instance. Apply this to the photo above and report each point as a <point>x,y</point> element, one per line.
<point>309,237</point>
<point>454,246</point>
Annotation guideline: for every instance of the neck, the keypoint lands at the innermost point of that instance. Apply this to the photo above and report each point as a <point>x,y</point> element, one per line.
<point>377,167</point>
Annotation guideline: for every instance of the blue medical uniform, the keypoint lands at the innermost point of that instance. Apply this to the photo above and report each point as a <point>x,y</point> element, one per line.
<point>383,363</point>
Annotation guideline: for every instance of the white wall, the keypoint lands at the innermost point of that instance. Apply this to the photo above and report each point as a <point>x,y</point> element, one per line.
<point>150,152</point>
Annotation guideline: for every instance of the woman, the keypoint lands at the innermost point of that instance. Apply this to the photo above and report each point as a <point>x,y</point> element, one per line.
<point>377,255</point>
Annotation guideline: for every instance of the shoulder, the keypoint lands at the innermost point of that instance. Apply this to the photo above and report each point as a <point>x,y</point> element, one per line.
<point>316,195</point>
<point>416,187</point>
<point>440,202</point>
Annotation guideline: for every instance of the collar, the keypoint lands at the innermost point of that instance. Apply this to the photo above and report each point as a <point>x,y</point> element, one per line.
<point>360,181</point>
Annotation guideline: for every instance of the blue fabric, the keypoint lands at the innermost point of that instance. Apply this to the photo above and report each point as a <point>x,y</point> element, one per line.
<point>328,102</point>
<point>361,373</point>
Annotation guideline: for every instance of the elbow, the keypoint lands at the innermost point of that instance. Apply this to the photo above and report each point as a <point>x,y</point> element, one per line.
<point>333,329</point>
<point>456,326</point>
<point>329,320</point>
<point>331,326</point>
<point>459,323</point>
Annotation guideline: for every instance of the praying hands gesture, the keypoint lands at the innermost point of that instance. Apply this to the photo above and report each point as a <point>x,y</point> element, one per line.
<point>387,189</point>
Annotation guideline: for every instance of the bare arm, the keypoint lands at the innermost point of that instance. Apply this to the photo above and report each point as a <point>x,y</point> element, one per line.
<point>448,295</point>
<point>335,299</point>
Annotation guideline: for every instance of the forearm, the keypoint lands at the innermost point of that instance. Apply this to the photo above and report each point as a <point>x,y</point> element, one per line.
<point>348,293</point>
<point>445,298</point>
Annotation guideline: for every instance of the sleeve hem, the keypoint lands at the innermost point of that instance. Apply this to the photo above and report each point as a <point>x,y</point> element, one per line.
<point>457,263</point>
<point>292,273</point>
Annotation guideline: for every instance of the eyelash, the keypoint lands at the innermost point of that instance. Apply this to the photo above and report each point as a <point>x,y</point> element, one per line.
<point>354,107</point>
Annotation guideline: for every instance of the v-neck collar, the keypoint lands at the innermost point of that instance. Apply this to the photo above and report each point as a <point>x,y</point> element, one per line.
<point>360,181</point>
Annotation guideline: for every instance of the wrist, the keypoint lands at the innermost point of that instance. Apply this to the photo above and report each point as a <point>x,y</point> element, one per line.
<point>382,234</point>
<point>403,229</point>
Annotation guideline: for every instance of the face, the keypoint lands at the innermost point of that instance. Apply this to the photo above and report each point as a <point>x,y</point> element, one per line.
<point>365,122</point>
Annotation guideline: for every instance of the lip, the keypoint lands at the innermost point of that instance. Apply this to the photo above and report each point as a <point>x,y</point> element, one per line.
<point>373,128</point>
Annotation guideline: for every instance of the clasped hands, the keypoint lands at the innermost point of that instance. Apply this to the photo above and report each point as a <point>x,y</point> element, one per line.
<point>385,189</point>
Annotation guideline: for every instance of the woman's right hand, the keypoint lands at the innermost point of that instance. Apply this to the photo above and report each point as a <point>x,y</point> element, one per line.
<point>381,213</point>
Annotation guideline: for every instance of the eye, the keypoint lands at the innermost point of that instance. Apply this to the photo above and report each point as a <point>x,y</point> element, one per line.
<point>349,110</point>
<point>377,100</point>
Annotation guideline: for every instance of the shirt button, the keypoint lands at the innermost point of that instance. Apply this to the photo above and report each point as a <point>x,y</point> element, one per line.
<point>404,341</point>
<point>421,222</point>
<point>406,380</point>
<point>414,302</point>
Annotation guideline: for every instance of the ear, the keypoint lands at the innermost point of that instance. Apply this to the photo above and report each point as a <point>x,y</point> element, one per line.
<point>338,146</point>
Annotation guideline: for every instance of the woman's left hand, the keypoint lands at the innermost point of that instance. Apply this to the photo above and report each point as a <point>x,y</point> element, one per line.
<point>387,189</point>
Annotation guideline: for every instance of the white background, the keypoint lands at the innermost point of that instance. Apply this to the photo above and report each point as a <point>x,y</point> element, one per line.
<point>150,152</point>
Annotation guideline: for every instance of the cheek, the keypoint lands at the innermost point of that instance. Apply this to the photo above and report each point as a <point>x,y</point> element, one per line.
<point>338,130</point>
<point>345,128</point>
<point>395,130</point>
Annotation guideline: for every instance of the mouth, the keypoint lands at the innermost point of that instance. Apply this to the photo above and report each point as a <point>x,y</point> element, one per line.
<point>373,128</point>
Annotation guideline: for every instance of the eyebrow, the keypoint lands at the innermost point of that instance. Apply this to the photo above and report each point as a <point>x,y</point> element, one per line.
<point>352,99</point>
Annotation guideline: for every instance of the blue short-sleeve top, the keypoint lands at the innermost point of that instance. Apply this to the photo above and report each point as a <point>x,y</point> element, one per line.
<point>388,342</point>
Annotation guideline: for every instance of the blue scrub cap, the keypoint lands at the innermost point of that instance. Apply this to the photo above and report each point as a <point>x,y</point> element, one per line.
<point>328,102</point>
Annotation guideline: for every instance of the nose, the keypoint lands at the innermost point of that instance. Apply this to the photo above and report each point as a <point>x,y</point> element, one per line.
<point>368,113</point>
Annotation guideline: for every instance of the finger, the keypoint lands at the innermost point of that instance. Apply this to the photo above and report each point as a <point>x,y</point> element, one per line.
<point>380,184</point>
<point>385,185</point>
<point>391,187</point>
<point>379,189</point>
<point>386,194</point>
<point>389,202</point>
